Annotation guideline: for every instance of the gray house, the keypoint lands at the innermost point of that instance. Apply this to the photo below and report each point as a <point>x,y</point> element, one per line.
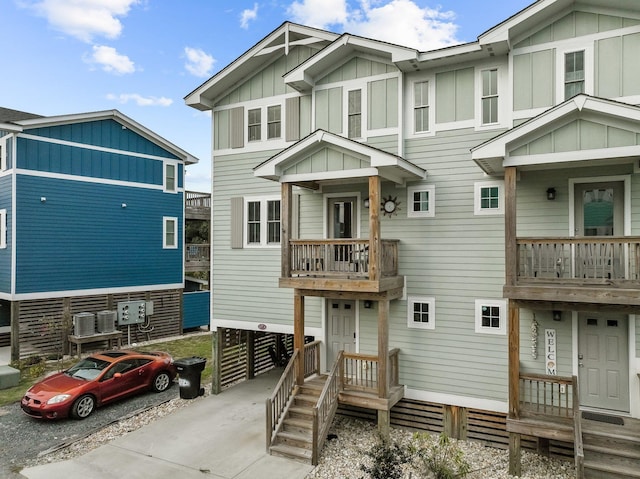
<point>448,236</point>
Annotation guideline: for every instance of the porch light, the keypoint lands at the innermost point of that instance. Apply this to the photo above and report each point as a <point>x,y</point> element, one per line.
<point>366,202</point>
<point>557,315</point>
<point>551,193</point>
<point>367,304</point>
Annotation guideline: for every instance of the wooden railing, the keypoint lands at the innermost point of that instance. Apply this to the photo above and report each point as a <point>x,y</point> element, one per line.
<point>340,258</point>
<point>194,199</point>
<point>359,372</point>
<point>312,358</point>
<point>595,259</point>
<point>196,252</point>
<point>280,400</point>
<point>547,395</point>
<point>325,409</point>
<point>578,446</point>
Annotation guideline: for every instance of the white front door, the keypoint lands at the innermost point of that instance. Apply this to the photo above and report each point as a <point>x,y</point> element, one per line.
<point>341,328</point>
<point>603,361</point>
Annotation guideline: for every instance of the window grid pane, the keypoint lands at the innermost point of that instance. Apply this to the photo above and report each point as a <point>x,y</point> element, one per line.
<point>274,121</point>
<point>273,221</point>
<point>421,106</point>
<point>421,201</point>
<point>170,177</point>
<point>254,124</point>
<point>489,96</point>
<point>253,222</point>
<point>573,74</point>
<point>421,312</point>
<point>489,198</point>
<point>170,233</point>
<point>490,317</point>
<point>355,114</point>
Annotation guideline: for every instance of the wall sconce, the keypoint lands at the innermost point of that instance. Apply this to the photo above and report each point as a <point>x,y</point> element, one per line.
<point>368,304</point>
<point>366,202</point>
<point>124,205</point>
<point>557,315</point>
<point>43,199</point>
<point>551,193</point>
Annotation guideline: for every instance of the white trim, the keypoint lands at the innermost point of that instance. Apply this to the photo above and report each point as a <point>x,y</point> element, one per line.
<point>500,303</point>
<point>431,192</point>
<point>431,302</point>
<point>3,152</point>
<point>589,68</point>
<point>254,326</point>
<point>431,117</point>
<point>454,400</point>
<point>264,201</point>
<point>165,221</point>
<point>175,165</point>
<point>477,203</point>
<point>89,292</point>
<point>504,92</point>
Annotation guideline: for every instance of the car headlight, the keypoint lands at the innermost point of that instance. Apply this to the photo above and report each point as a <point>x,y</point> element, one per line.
<point>58,398</point>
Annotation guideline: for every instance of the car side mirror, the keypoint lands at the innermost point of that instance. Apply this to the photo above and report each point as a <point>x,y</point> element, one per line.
<point>117,375</point>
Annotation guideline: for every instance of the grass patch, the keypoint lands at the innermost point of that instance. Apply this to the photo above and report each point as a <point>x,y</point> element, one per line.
<point>32,370</point>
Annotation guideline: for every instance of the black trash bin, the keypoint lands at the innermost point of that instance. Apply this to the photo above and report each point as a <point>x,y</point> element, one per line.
<point>189,370</point>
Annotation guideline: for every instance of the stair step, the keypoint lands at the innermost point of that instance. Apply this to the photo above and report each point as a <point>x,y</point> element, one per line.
<point>300,412</point>
<point>294,439</point>
<point>598,470</point>
<point>305,400</point>
<point>295,453</point>
<point>630,451</point>
<point>300,425</point>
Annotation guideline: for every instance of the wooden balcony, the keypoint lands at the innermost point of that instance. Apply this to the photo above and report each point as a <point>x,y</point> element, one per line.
<point>604,269</point>
<point>197,257</point>
<point>341,264</point>
<point>197,206</point>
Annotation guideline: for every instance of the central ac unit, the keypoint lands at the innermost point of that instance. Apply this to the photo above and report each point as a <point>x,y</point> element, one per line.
<point>106,321</point>
<point>84,324</point>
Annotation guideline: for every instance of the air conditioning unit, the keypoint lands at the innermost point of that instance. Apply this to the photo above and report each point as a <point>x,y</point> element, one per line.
<point>84,324</point>
<point>106,321</point>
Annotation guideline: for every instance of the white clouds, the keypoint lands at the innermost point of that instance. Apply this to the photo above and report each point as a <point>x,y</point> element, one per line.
<point>247,15</point>
<point>85,19</point>
<point>111,61</point>
<point>198,62</point>
<point>396,21</point>
<point>139,99</point>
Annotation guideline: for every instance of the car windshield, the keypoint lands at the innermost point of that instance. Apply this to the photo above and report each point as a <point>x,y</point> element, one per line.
<point>88,368</point>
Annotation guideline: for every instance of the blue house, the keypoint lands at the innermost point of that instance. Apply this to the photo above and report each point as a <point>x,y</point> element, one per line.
<point>91,215</point>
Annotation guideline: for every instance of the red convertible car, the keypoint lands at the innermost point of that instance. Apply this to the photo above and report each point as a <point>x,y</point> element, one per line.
<point>96,380</point>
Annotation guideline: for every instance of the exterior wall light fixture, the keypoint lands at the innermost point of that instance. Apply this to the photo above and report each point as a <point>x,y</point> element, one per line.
<point>551,193</point>
<point>366,202</point>
<point>557,315</point>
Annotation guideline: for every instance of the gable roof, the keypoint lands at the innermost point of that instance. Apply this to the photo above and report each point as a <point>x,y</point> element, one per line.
<point>378,162</point>
<point>44,121</point>
<point>497,153</point>
<point>261,54</point>
<point>8,115</point>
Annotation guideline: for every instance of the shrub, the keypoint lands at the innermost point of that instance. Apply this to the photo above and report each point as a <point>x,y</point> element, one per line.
<point>387,459</point>
<point>441,457</point>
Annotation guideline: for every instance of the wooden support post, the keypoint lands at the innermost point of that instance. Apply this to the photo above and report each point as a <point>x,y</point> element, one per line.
<point>216,359</point>
<point>543,446</point>
<point>15,330</point>
<point>514,359</point>
<point>384,423</point>
<point>455,422</point>
<point>375,260</point>
<point>383,348</point>
<point>251,355</point>
<point>298,334</point>
<point>510,234</point>
<point>515,468</point>
<point>286,222</point>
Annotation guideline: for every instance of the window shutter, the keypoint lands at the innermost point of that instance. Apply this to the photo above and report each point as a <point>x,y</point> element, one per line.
<point>237,222</point>
<point>292,118</point>
<point>237,127</point>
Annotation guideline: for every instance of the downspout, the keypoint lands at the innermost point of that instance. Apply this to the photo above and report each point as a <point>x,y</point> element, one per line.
<point>401,115</point>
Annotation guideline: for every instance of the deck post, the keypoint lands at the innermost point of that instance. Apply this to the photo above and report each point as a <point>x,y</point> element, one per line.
<point>384,416</point>
<point>216,359</point>
<point>510,234</point>
<point>375,249</point>
<point>298,334</point>
<point>251,354</point>
<point>515,468</point>
<point>286,221</point>
<point>15,330</point>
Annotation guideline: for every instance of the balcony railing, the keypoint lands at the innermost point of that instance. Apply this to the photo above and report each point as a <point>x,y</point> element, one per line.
<point>194,199</point>
<point>360,373</point>
<point>340,258</point>
<point>196,252</point>
<point>588,260</point>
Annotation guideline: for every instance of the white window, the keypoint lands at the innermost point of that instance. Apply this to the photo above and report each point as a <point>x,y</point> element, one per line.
<point>169,232</point>
<point>262,225</point>
<point>3,229</point>
<point>489,99</point>
<point>491,316</point>
<point>421,106</point>
<point>489,198</point>
<point>421,201</point>
<point>355,114</point>
<point>3,154</point>
<point>274,121</point>
<point>574,74</point>
<point>254,124</point>
<point>170,177</point>
<point>421,312</point>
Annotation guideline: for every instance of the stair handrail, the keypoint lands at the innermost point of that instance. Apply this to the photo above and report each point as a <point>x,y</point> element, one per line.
<point>577,430</point>
<point>325,409</point>
<point>278,404</point>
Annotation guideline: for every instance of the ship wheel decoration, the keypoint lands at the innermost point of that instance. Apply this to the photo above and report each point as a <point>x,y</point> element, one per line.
<point>390,205</point>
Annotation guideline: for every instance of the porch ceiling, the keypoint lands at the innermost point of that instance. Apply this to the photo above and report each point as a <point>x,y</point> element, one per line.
<point>324,157</point>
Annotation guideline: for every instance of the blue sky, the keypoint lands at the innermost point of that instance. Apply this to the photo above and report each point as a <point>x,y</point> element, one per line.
<point>142,57</point>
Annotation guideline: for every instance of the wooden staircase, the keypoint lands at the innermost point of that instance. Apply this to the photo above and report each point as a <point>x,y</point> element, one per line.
<point>295,439</point>
<point>611,451</point>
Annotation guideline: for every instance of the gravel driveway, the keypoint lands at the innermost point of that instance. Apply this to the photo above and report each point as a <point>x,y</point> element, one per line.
<point>23,438</point>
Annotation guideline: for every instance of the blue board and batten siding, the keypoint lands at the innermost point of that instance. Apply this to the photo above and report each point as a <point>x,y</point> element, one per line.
<point>73,230</point>
<point>5,253</point>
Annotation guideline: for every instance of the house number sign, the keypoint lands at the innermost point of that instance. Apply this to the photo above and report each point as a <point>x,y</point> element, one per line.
<point>550,351</point>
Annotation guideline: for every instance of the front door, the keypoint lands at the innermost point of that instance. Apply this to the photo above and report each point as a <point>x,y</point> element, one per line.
<point>341,328</point>
<point>342,216</point>
<point>599,209</point>
<point>603,361</point>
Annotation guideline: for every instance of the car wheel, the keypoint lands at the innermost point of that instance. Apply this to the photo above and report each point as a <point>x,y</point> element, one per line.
<point>161,382</point>
<point>83,407</point>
